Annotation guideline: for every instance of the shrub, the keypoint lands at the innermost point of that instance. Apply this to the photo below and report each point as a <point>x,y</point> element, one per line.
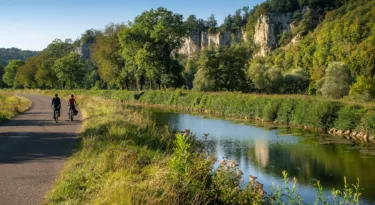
<point>286,111</point>
<point>322,114</point>
<point>363,88</point>
<point>296,81</point>
<point>349,117</point>
<point>271,110</point>
<point>368,121</point>
<point>336,84</point>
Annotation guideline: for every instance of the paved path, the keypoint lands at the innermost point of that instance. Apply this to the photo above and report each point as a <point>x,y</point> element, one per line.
<point>32,150</point>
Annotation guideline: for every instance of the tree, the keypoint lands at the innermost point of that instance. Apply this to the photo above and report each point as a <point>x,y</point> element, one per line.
<point>26,73</point>
<point>211,21</point>
<point>70,71</point>
<point>336,83</point>
<point>256,74</point>
<point>45,76</point>
<point>224,69</point>
<point>297,81</point>
<point>193,24</point>
<point>246,13</point>
<point>2,71</point>
<point>106,55</point>
<point>266,79</point>
<point>8,54</point>
<point>202,83</point>
<point>189,72</point>
<point>147,47</point>
<point>237,19</point>
<point>283,5</point>
<point>11,70</point>
<point>228,23</point>
<point>273,80</point>
<point>363,87</point>
<point>89,36</point>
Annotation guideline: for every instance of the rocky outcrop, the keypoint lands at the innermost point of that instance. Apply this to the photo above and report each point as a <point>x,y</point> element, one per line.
<point>192,44</point>
<point>267,33</point>
<point>198,41</point>
<point>83,50</point>
<point>268,28</point>
<point>353,135</point>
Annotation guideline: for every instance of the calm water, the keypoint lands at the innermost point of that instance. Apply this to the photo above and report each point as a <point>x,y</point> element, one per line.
<point>266,153</point>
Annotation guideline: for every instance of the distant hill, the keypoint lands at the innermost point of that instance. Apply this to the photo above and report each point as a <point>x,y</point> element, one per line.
<point>7,54</point>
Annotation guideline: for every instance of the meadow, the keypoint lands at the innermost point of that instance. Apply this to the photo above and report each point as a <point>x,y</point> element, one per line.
<point>11,105</point>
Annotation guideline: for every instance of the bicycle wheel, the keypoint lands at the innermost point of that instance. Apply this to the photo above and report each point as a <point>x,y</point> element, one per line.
<point>72,115</point>
<point>56,117</point>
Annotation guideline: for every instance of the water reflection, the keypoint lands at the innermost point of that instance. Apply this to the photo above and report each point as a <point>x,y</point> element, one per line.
<point>262,153</point>
<point>266,153</point>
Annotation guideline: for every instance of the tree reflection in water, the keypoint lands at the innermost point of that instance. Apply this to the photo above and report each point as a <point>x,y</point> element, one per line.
<point>266,153</point>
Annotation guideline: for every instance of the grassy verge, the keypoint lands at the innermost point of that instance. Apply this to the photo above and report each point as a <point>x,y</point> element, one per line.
<point>123,158</point>
<point>296,110</point>
<point>11,105</point>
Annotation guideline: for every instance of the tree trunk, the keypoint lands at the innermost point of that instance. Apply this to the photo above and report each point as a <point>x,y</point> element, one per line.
<point>127,85</point>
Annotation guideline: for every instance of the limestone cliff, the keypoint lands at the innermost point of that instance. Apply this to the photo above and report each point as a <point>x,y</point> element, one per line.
<point>268,28</point>
<point>198,41</point>
<point>84,50</point>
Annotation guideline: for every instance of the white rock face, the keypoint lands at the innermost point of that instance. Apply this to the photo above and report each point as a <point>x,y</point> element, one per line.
<point>83,50</point>
<point>267,28</point>
<point>191,45</point>
<point>198,41</point>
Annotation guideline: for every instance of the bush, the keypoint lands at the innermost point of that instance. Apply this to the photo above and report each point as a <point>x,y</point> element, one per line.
<point>368,121</point>
<point>336,84</point>
<point>297,81</point>
<point>349,117</point>
<point>286,111</point>
<point>271,110</point>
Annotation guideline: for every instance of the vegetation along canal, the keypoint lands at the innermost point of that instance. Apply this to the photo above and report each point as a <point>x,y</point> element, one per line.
<point>265,153</point>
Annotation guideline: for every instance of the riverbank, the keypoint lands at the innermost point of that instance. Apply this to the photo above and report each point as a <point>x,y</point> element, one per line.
<point>353,120</point>
<point>11,105</point>
<point>124,158</point>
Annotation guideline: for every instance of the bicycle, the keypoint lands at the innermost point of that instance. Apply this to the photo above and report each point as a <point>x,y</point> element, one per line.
<point>71,113</point>
<point>56,114</point>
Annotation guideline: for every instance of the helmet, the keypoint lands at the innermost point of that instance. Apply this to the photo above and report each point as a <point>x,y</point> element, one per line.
<point>56,95</point>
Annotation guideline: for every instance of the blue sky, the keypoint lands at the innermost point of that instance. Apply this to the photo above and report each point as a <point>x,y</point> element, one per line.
<point>33,24</point>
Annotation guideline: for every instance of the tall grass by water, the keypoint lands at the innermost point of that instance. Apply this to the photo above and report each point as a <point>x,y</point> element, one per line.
<point>123,158</point>
<point>11,105</point>
<point>296,110</point>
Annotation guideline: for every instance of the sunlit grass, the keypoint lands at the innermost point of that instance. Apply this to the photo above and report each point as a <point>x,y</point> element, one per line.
<point>123,158</point>
<point>292,110</point>
<point>11,105</point>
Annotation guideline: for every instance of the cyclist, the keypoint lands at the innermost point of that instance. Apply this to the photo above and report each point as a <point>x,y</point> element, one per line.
<point>72,103</point>
<point>56,104</point>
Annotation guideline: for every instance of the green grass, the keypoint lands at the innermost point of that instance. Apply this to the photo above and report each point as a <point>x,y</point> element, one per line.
<point>11,105</point>
<point>297,110</point>
<point>123,158</point>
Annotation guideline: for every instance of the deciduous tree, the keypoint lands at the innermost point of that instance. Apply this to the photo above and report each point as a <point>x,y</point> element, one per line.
<point>11,70</point>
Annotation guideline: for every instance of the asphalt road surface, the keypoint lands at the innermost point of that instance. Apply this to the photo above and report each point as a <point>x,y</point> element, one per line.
<point>32,151</point>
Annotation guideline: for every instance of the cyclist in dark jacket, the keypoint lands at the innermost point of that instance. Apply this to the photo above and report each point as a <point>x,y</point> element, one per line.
<point>56,103</point>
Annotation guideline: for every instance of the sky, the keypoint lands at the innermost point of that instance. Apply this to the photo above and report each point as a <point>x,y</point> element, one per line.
<point>33,24</point>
